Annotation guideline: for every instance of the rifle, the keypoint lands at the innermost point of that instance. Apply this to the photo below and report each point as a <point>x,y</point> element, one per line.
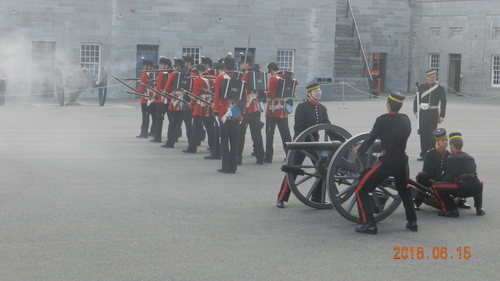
<point>136,94</point>
<point>418,108</point>
<point>163,94</point>
<point>196,97</point>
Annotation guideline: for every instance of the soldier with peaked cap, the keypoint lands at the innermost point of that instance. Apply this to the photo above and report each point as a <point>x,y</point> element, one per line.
<point>429,107</point>
<point>174,105</point>
<point>145,79</point>
<point>251,117</point>
<point>228,123</point>
<point>435,166</point>
<point>393,130</point>
<point>307,114</point>
<point>275,113</point>
<point>460,180</point>
<point>202,112</point>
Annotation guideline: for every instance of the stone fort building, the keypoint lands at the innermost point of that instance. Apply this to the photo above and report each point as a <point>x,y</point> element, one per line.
<point>317,40</point>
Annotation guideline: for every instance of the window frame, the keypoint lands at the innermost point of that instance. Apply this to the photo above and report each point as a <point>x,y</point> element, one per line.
<point>495,71</point>
<point>193,52</point>
<point>282,55</point>
<point>89,59</point>
<point>433,57</point>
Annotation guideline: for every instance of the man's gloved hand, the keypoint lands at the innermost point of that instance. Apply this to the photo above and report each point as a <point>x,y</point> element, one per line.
<point>416,115</point>
<point>441,119</point>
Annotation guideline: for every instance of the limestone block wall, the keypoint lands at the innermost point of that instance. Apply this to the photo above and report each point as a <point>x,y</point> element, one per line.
<point>214,26</point>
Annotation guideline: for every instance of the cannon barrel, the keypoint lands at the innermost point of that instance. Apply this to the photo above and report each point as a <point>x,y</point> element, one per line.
<point>305,145</point>
<point>328,146</point>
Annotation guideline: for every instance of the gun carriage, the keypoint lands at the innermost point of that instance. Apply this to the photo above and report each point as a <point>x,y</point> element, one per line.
<point>330,164</point>
<point>80,81</point>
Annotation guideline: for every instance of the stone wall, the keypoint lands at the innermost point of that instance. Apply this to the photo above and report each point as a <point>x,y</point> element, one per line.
<point>214,26</point>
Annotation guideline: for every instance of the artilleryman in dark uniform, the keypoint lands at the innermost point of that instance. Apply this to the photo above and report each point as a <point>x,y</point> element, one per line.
<point>434,162</point>
<point>430,111</point>
<point>461,180</point>
<point>434,165</point>
<point>393,129</point>
<point>307,114</point>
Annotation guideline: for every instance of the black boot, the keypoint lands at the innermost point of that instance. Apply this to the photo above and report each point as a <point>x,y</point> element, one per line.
<point>367,228</point>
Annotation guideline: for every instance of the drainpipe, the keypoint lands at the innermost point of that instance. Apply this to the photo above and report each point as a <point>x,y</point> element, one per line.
<point>410,54</point>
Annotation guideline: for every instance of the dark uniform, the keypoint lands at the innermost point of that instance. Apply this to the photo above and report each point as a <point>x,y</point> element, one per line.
<point>307,114</point>
<point>428,99</point>
<point>461,180</point>
<point>393,129</point>
<point>434,162</point>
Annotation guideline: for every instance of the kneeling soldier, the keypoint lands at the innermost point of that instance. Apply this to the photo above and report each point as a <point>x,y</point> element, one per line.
<point>461,180</point>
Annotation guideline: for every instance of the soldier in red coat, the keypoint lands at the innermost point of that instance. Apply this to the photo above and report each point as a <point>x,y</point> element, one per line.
<point>202,111</point>
<point>227,121</point>
<point>175,106</point>
<point>215,149</point>
<point>157,106</point>
<point>251,118</point>
<point>275,114</point>
<point>145,79</point>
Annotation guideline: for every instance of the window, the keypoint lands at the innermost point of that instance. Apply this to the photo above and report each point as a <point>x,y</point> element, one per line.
<point>495,71</point>
<point>192,52</point>
<point>434,61</point>
<point>285,60</point>
<point>90,58</point>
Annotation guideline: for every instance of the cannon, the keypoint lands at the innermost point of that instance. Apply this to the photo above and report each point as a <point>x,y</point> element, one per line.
<point>326,161</point>
<point>80,81</point>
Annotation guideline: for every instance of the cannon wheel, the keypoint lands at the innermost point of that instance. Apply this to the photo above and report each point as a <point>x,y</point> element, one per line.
<point>60,88</point>
<point>102,95</point>
<point>315,162</point>
<point>3,85</point>
<point>343,178</point>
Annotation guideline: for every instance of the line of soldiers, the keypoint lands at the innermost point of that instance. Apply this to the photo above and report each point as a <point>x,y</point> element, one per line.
<point>217,99</point>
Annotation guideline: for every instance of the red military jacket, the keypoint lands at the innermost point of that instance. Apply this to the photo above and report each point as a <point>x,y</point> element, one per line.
<point>160,84</point>
<point>275,105</point>
<point>199,84</point>
<point>142,89</point>
<point>173,104</point>
<point>250,99</point>
<point>221,106</point>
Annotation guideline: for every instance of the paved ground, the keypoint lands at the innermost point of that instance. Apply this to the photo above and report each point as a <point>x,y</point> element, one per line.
<point>82,199</point>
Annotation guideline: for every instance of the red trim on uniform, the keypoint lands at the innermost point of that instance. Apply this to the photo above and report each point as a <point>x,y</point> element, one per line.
<point>440,151</point>
<point>360,185</point>
<point>457,150</point>
<point>446,185</point>
<point>393,112</point>
<point>284,188</point>
<point>313,102</point>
